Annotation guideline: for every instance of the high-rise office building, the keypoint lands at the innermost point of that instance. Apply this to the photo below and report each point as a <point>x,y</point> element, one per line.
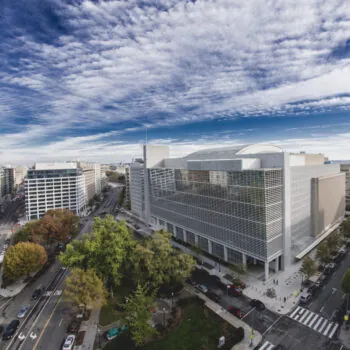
<point>54,186</point>
<point>346,169</point>
<point>252,204</point>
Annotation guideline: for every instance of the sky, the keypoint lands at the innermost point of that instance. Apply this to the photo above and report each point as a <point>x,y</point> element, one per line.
<point>85,79</point>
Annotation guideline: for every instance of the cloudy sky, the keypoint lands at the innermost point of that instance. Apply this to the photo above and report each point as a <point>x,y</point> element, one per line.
<point>84,79</point>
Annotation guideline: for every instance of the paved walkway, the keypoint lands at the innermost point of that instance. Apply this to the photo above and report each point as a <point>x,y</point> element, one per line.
<point>90,328</point>
<point>344,336</point>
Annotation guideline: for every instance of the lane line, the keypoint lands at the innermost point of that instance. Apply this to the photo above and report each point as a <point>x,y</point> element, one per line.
<point>59,325</point>
<point>251,310</point>
<point>272,324</point>
<point>47,322</point>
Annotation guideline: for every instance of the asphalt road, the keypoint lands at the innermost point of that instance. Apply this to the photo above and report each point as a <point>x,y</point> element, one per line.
<point>52,325</point>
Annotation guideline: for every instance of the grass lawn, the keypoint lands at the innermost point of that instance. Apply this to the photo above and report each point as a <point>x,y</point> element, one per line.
<point>109,314</point>
<point>199,329</point>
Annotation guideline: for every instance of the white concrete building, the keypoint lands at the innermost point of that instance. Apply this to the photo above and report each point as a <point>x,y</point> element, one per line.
<point>54,186</point>
<point>250,204</point>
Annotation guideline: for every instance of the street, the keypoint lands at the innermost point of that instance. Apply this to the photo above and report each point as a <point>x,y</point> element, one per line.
<point>45,325</point>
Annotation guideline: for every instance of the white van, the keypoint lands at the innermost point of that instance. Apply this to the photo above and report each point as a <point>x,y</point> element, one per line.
<point>305,297</point>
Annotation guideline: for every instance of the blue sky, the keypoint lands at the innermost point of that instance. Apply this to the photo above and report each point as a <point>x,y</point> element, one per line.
<point>84,79</point>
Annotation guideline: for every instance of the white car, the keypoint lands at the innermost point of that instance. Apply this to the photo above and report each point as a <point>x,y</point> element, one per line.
<point>69,342</point>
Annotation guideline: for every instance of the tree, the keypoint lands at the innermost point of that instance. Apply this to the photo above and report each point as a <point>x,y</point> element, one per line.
<point>323,253</point>
<point>27,232</point>
<point>105,250</point>
<point>345,283</point>
<point>308,267</point>
<point>23,259</point>
<point>156,262</point>
<point>333,242</point>
<point>138,314</point>
<point>346,228</point>
<point>85,288</point>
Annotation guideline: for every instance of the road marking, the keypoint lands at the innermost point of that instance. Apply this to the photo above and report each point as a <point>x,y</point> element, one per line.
<point>251,310</point>
<point>60,322</point>
<point>295,311</point>
<point>266,346</point>
<point>318,323</point>
<point>327,329</point>
<point>313,321</point>
<point>333,331</point>
<point>304,316</point>
<point>272,325</point>
<point>47,322</point>
<point>323,326</point>
<point>308,318</point>
<point>321,308</point>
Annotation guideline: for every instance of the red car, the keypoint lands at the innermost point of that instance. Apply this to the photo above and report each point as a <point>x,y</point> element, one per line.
<point>235,311</point>
<point>234,290</point>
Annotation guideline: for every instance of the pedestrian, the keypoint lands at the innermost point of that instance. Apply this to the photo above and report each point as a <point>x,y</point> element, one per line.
<point>285,299</point>
<point>277,282</point>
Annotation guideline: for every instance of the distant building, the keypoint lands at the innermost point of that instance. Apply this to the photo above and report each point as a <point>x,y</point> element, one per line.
<point>92,178</point>
<point>250,204</point>
<point>346,169</point>
<point>7,181</point>
<point>20,174</point>
<point>127,184</point>
<point>54,186</point>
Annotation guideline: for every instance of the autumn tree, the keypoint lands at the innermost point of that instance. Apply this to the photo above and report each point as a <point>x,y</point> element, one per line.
<point>84,288</point>
<point>156,262</point>
<point>23,259</point>
<point>323,254</point>
<point>138,314</point>
<point>105,250</point>
<point>308,267</point>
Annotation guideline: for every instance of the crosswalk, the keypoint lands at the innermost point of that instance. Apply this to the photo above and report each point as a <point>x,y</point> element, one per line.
<point>266,346</point>
<point>50,292</point>
<point>316,322</point>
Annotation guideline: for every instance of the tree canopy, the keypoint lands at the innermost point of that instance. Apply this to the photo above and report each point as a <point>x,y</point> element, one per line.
<point>138,314</point>
<point>85,288</point>
<point>323,253</point>
<point>308,267</point>
<point>333,242</point>
<point>105,250</point>
<point>156,262</point>
<point>346,227</point>
<point>22,259</point>
<point>345,283</point>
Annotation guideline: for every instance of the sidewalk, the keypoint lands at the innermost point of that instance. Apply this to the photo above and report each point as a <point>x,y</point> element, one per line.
<point>344,336</point>
<point>245,344</point>
<point>90,328</point>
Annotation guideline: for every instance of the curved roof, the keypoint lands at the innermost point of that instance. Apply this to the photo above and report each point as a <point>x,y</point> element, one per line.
<point>232,152</point>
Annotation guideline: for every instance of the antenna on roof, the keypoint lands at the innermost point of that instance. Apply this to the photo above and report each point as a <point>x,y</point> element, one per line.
<point>146,136</point>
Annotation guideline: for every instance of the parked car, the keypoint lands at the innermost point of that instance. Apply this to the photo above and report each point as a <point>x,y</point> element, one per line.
<point>329,268</point>
<point>69,342</point>
<point>36,294</point>
<point>235,311</point>
<point>213,296</point>
<point>23,311</point>
<point>10,330</point>
<point>190,281</point>
<point>234,290</point>
<point>202,288</point>
<point>259,305</point>
<point>305,297</point>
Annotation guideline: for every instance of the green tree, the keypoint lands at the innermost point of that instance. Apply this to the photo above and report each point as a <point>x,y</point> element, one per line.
<point>105,250</point>
<point>333,242</point>
<point>308,267</point>
<point>23,259</point>
<point>346,228</point>
<point>84,288</point>
<point>138,314</point>
<point>345,283</point>
<point>323,254</point>
<point>156,262</point>
<point>27,232</point>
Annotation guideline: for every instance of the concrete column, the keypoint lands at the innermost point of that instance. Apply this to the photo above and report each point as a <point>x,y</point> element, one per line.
<point>196,240</point>
<point>266,271</point>
<point>244,260</point>
<point>185,236</point>
<point>210,247</point>
<point>225,254</point>
<point>276,265</point>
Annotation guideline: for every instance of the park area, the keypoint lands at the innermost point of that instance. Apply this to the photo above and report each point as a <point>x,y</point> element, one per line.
<point>193,327</point>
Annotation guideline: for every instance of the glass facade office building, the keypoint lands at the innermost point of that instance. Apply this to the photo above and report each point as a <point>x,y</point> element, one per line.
<point>241,208</point>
